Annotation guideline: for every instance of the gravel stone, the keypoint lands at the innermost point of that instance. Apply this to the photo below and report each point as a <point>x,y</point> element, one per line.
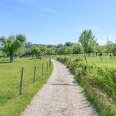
<point>61,96</point>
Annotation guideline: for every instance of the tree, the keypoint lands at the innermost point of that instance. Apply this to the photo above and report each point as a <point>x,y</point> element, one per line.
<point>68,50</point>
<point>60,50</point>
<point>114,48</point>
<point>59,45</point>
<point>50,51</point>
<point>21,51</point>
<point>77,48</point>
<point>28,45</point>
<point>34,50</point>
<point>68,44</point>
<point>87,39</point>
<point>12,44</point>
<point>42,49</point>
<point>91,49</point>
<point>109,47</point>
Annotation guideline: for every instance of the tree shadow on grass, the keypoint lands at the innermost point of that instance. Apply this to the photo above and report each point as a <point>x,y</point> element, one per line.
<point>4,62</point>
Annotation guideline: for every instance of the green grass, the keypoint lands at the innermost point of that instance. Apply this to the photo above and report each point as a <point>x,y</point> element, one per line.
<point>106,60</point>
<point>11,103</point>
<point>98,78</point>
<point>93,59</point>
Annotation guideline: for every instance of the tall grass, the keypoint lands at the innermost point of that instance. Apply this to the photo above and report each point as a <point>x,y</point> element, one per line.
<point>11,103</point>
<point>99,81</point>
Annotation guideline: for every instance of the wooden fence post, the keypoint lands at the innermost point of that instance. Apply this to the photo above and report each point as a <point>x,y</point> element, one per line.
<point>49,63</point>
<point>34,74</point>
<point>21,81</point>
<point>42,69</point>
<point>47,66</point>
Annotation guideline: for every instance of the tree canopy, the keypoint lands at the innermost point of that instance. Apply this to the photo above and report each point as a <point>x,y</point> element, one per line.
<point>87,40</point>
<point>12,44</point>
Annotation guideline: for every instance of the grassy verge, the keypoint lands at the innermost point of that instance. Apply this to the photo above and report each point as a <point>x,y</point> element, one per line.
<point>11,103</point>
<point>99,82</point>
<point>106,60</point>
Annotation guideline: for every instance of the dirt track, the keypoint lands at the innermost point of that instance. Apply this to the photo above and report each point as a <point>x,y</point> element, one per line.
<point>61,96</point>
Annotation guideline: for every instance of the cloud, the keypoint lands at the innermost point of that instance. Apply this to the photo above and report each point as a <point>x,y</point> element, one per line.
<point>15,8</point>
<point>29,2</point>
<point>8,6</point>
<point>25,11</point>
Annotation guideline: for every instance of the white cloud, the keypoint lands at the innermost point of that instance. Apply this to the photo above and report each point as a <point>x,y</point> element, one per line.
<point>28,2</point>
<point>8,6</point>
<point>18,9</point>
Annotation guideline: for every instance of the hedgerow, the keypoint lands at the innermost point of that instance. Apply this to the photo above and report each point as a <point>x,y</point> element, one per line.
<point>98,82</point>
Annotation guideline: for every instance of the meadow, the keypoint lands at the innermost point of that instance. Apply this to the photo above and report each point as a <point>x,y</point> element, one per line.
<point>11,103</point>
<point>105,60</point>
<point>97,77</point>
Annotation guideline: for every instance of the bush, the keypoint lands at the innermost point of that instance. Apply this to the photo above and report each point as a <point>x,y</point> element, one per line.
<point>98,82</point>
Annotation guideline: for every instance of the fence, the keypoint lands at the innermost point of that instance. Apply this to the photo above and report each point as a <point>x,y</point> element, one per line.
<point>43,70</point>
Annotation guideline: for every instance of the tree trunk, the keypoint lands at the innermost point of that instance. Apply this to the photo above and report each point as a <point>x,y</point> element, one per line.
<point>11,58</point>
<point>96,53</point>
<point>85,58</point>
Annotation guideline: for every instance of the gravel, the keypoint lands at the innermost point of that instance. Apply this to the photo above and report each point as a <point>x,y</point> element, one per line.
<point>61,96</point>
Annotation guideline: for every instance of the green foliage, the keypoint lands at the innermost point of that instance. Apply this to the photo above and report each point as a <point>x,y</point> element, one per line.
<point>87,40</point>
<point>100,49</point>
<point>68,50</point>
<point>77,49</point>
<point>12,44</point>
<point>20,51</point>
<point>67,44</point>
<point>42,49</point>
<point>1,53</point>
<point>35,50</point>
<point>63,60</point>
<point>50,51</point>
<point>60,50</point>
<point>99,83</point>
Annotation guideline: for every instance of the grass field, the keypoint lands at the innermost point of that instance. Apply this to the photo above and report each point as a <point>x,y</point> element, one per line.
<point>93,59</point>
<point>103,61</point>
<point>11,103</point>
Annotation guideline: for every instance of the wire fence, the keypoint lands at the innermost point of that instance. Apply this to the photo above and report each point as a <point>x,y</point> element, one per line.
<point>15,81</point>
<point>32,77</point>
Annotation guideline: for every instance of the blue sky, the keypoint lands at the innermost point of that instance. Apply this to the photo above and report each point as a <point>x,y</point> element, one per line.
<point>58,21</point>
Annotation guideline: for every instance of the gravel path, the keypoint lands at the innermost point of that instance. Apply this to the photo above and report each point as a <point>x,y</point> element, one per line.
<point>61,96</point>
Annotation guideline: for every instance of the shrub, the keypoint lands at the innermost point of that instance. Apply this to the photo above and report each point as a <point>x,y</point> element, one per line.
<point>98,82</point>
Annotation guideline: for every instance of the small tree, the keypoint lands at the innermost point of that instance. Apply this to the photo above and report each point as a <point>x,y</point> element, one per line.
<point>12,44</point>
<point>34,50</point>
<point>42,49</point>
<point>77,48</point>
<point>50,51</point>
<point>68,50</point>
<point>87,40</point>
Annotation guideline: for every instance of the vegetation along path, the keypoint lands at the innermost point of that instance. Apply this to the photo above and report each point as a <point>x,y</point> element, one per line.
<point>60,96</point>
